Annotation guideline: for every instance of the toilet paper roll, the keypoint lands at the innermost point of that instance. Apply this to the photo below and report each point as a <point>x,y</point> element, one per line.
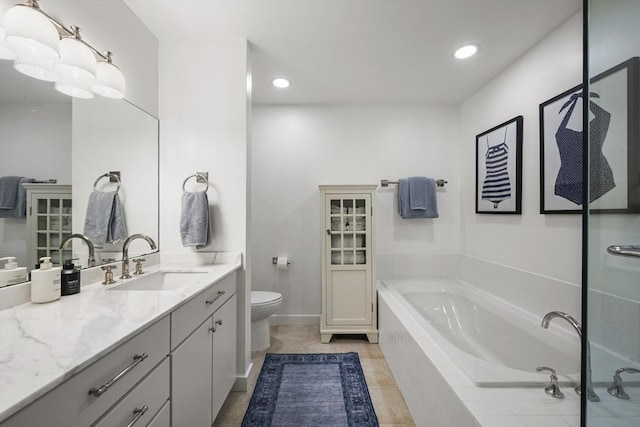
<point>282,263</point>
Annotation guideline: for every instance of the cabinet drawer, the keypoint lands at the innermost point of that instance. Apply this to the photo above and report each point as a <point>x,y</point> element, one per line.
<point>187,318</point>
<point>163,417</point>
<point>70,404</point>
<point>150,395</point>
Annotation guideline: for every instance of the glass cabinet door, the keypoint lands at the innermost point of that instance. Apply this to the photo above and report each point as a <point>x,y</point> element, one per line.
<point>348,230</point>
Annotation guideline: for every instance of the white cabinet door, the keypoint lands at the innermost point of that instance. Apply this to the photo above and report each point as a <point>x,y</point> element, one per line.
<point>191,379</point>
<point>224,353</point>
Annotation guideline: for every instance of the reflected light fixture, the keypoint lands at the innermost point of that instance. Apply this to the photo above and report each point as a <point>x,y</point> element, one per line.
<point>6,52</point>
<point>281,82</point>
<point>466,51</point>
<point>47,50</point>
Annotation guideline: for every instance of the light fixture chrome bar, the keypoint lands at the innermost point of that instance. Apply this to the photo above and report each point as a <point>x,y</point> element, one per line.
<point>630,251</point>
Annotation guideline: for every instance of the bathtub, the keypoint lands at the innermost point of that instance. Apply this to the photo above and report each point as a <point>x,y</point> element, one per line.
<point>494,343</point>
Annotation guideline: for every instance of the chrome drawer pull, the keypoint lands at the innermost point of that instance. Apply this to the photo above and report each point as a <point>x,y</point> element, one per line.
<point>632,250</point>
<point>211,301</point>
<point>97,392</point>
<point>138,414</point>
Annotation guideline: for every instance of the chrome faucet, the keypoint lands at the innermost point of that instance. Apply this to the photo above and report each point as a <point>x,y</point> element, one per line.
<point>92,258</point>
<point>125,252</point>
<point>591,395</point>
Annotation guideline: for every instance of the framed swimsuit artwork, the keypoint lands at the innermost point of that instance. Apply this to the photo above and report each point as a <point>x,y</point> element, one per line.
<point>614,146</point>
<point>499,169</point>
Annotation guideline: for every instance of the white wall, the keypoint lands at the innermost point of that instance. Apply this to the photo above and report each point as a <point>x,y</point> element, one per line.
<point>203,106</point>
<point>40,152</point>
<point>545,244</point>
<point>295,148</point>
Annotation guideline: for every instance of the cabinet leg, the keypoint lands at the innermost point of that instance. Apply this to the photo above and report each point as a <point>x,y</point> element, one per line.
<point>373,338</point>
<point>325,338</point>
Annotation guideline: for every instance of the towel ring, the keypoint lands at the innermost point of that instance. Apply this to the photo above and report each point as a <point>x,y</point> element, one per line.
<point>107,175</point>
<point>197,176</point>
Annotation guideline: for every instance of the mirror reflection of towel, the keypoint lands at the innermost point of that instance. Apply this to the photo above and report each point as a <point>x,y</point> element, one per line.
<point>13,197</point>
<point>105,221</point>
<point>194,219</point>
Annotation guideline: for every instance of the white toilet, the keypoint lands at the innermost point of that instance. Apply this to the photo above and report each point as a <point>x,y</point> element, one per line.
<point>263,305</point>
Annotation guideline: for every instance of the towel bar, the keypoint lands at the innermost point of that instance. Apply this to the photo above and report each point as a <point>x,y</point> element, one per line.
<point>113,177</point>
<point>201,177</point>
<point>386,182</point>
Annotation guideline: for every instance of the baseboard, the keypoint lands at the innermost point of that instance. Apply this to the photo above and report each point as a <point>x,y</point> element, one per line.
<point>294,319</point>
<point>242,381</point>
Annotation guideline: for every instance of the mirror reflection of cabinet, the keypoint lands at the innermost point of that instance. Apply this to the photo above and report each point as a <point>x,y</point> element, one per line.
<point>348,284</point>
<point>48,222</point>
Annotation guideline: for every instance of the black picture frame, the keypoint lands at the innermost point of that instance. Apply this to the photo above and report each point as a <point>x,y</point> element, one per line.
<point>615,133</point>
<point>499,169</point>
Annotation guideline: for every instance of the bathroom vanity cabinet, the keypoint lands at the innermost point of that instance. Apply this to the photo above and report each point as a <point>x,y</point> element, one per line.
<point>144,382</point>
<point>177,371</point>
<point>348,262</point>
<point>48,221</point>
<point>208,352</point>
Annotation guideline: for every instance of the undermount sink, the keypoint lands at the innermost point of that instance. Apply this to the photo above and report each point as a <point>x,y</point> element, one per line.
<point>159,281</point>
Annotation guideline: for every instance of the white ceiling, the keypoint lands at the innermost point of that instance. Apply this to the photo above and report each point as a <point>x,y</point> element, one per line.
<point>362,51</point>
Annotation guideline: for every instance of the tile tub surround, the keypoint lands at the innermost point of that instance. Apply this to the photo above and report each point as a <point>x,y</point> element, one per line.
<point>65,336</point>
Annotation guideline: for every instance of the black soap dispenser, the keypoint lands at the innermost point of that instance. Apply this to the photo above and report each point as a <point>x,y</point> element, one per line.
<point>70,278</point>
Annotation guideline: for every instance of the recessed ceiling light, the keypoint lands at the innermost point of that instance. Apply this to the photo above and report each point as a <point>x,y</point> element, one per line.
<point>281,82</point>
<point>466,51</point>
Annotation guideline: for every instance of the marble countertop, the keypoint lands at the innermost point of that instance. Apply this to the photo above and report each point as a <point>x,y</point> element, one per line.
<point>42,345</point>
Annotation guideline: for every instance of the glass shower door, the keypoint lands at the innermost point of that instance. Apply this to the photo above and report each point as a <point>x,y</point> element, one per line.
<point>612,264</point>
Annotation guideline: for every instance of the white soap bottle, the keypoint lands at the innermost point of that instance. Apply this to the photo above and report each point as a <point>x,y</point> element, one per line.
<point>12,274</point>
<point>45,282</point>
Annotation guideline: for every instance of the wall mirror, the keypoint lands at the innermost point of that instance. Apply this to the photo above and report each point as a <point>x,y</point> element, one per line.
<point>46,135</point>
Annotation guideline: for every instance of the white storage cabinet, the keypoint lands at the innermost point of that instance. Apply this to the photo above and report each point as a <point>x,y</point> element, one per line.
<point>349,304</point>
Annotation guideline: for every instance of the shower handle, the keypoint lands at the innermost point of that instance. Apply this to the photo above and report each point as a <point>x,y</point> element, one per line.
<point>628,251</point>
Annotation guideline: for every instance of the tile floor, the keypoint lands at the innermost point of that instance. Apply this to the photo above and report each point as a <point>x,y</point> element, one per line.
<point>388,403</point>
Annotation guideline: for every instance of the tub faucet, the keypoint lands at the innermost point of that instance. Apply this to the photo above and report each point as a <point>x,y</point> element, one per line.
<point>125,252</point>
<point>591,395</point>
<point>616,389</point>
<point>92,258</point>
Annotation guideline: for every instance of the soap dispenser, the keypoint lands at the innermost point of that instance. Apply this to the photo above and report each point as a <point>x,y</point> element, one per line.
<point>45,282</point>
<point>12,274</point>
<point>70,278</point>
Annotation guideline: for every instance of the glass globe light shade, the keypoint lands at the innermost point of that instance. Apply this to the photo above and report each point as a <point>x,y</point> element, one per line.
<point>109,81</point>
<point>37,67</point>
<point>5,50</point>
<point>76,62</point>
<point>29,32</point>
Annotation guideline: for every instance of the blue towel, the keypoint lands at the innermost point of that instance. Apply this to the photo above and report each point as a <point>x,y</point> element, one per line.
<point>13,197</point>
<point>194,219</point>
<point>404,202</point>
<point>105,221</point>
<point>418,190</point>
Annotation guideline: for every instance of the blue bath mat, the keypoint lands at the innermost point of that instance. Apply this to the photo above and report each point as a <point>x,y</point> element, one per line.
<point>323,389</point>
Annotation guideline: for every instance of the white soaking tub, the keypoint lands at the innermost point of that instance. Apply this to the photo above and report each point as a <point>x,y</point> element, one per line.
<point>492,342</point>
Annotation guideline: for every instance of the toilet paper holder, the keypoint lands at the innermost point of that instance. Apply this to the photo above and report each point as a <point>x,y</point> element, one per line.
<point>274,261</point>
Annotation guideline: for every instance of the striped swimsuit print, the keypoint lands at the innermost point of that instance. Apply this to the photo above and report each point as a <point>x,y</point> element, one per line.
<point>497,186</point>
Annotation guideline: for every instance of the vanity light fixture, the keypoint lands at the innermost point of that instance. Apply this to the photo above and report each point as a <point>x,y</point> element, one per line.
<point>281,82</point>
<point>5,50</point>
<point>47,50</point>
<point>466,51</point>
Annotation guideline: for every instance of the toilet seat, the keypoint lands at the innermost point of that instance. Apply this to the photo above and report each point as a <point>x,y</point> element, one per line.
<point>260,298</point>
